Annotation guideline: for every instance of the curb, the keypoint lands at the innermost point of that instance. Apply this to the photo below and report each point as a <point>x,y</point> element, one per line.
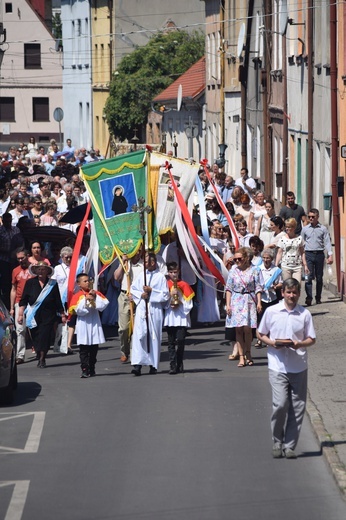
<point>327,446</point>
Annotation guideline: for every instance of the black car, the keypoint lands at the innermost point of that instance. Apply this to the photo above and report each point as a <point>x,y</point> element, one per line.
<point>8,354</point>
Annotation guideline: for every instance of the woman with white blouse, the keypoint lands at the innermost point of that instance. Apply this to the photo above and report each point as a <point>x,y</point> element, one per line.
<point>291,253</point>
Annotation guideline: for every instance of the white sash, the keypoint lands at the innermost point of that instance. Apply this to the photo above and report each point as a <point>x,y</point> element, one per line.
<point>31,310</point>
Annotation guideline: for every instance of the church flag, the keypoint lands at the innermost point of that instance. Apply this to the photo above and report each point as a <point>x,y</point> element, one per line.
<point>185,173</point>
<point>114,187</point>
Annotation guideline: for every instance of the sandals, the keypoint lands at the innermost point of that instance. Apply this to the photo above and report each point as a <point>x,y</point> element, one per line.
<point>233,357</point>
<point>249,360</point>
<point>241,363</point>
<point>258,344</point>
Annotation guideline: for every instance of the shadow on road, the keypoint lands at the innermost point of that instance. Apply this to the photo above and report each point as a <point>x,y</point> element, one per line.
<point>309,454</point>
<point>26,393</point>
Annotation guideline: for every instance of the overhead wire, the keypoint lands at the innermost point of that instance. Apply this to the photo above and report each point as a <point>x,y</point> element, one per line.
<point>186,26</point>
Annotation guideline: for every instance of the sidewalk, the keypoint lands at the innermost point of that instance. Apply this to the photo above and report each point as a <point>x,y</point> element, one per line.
<point>327,382</point>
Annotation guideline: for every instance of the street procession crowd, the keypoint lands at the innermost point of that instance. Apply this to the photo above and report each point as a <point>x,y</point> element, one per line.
<point>275,252</point>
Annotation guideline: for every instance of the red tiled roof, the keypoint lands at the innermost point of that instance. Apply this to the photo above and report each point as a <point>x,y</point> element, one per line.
<point>192,81</point>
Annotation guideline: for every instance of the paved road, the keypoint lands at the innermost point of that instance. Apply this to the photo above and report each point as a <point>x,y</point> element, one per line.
<point>190,447</point>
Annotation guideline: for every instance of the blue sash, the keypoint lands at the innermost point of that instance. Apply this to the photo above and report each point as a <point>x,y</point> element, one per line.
<point>31,310</point>
<point>273,277</point>
<point>81,265</point>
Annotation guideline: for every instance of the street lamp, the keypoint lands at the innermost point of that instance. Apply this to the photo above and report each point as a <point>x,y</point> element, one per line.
<point>221,160</point>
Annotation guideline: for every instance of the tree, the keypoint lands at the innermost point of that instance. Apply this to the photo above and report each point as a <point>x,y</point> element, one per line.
<point>145,73</point>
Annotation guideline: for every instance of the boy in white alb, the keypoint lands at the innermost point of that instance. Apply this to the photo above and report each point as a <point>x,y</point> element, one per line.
<point>177,317</point>
<point>87,304</point>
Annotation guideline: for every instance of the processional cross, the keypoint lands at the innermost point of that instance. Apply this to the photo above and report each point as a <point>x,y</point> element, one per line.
<point>142,210</point>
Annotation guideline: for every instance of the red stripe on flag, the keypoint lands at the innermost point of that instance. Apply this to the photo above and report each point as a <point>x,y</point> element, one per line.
<point>75,256</point>
<point>187,218</point>
<point>235,238</point>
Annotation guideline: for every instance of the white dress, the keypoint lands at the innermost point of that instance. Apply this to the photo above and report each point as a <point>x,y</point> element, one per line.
<point>88,326</point>
<point>158,296</point>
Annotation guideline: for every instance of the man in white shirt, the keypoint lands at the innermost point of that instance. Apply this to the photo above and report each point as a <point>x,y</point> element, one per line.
<point>287,329</point>
<point>246,182</point>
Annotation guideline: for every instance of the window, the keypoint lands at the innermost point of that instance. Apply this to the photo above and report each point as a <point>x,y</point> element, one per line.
<point>40,109</point>
<point>8,7</point>
<point>7,109</point>
<point>32,55</point>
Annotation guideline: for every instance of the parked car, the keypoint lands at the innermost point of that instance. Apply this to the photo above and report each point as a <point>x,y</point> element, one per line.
<point>8,354</point>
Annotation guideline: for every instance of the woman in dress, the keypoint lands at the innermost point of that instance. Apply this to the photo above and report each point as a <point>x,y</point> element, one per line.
<point>19,211</point>
<point>272,280</point>
<point>49,218</point>
<point>31,144</point>
<point>291,253</point>
<point>243,301</point>
<point>41,299</point>
<point>243,234</point>
<point>264,230</point>
<point>56,190</point>
<point>37,209</point>
<point>277,226</point>
<point>36,256</point>
<point>257,210</point>
<point>245,208</point>
<point>256,245</point>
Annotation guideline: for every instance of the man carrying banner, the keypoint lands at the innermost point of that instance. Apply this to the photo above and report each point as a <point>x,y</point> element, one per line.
<point>149,299</point>
<point>125,274</point>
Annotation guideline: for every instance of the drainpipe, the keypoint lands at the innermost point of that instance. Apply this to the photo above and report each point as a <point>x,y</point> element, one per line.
<point>266,86</point>
<point>284,121</point>
<point>222,73</point>
<point>334,133</point>
<point>310,177</point>
<point>243,77</point>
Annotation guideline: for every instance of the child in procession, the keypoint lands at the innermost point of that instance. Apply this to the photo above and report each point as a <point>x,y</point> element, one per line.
<point>86,305</point>
<point>177,316</point>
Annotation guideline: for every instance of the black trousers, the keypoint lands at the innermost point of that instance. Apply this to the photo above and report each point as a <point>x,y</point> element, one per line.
<point>88,356</point>
<point>176,338</point>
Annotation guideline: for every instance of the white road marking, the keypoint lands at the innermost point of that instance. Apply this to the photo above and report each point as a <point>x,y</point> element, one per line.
<point>18,499</point>
<point>34,437</point>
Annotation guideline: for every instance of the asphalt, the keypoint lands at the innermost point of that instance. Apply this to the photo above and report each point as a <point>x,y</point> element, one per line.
<point>326,405</point>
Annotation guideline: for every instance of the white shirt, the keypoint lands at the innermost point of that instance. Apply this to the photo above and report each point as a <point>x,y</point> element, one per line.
<point>250,184</point>
<point>281,323</point>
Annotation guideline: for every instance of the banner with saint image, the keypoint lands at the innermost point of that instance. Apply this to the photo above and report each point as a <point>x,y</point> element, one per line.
<point>115,186</point>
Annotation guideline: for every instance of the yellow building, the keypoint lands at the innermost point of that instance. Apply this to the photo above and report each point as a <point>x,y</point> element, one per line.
<point>102,46</point>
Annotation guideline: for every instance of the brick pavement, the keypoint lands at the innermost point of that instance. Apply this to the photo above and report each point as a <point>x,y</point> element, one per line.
<point>327,382</point>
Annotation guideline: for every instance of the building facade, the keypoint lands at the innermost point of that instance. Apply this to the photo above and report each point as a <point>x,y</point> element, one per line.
<point>102,47</point>
<point>31,76</point>
<point>77,72</point>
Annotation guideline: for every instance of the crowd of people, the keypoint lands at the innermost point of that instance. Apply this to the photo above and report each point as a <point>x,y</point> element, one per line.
<point>277,249</point>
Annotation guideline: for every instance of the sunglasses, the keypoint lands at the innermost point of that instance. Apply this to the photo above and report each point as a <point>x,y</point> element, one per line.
<point>238,259</point>
<point>312,216</point>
